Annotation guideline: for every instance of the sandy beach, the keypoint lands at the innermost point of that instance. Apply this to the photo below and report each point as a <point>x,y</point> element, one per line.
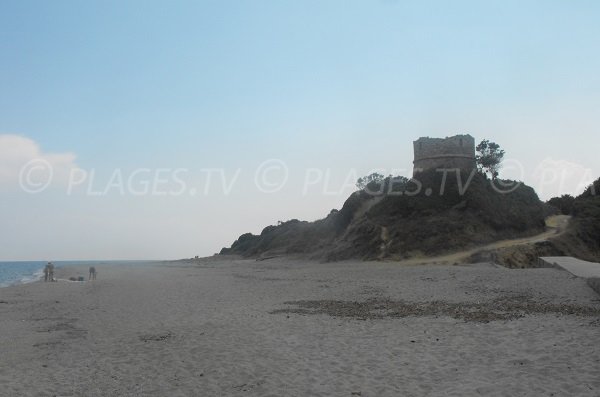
<point>283,327</point>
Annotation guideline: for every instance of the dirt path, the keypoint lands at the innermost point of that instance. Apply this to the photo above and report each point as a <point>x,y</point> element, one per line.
<point>555,225</point>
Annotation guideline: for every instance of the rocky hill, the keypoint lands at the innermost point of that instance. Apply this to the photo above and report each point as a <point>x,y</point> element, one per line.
<point>398,218</point>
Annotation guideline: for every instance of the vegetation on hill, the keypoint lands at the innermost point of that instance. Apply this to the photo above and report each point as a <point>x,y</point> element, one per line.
<point>564,204</point>
<point>489,157</point>
<point>400,218</point>
<point>584,232</point>
<point>581,239</point>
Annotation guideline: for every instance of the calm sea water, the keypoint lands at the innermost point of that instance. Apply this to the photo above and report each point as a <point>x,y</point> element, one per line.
<point>25,272</point>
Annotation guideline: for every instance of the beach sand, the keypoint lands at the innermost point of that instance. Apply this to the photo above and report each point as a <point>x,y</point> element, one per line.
<point>283,327</point>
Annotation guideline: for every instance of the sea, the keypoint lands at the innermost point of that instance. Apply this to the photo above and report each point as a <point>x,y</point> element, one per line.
<point>21,272</point>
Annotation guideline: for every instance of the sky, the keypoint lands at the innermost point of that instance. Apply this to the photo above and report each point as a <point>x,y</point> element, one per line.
<point>163,130</point>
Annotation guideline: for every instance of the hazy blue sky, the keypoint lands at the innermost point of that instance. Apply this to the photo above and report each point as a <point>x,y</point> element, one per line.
<point>339,86</point>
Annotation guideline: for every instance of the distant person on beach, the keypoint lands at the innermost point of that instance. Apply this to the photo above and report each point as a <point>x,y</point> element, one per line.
<point>46,272</point>
<point>92,273</point>
<point>51,271</point>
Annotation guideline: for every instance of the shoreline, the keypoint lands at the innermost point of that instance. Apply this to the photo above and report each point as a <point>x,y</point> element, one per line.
<point>38,274</point>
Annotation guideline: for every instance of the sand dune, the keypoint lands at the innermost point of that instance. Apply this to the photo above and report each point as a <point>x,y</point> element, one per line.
<point>226,327</point>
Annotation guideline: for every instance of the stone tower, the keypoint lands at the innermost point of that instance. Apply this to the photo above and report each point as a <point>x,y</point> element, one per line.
<point>452,152</point>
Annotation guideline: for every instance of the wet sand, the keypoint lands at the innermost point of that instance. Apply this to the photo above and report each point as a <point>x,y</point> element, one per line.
<point>282,327</point>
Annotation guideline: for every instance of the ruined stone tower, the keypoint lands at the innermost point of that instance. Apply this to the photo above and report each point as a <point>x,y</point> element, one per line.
<point>452,152</point>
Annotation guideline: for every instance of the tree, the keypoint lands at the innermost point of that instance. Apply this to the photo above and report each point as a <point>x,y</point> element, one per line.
<point>363,182</point>
<point>564,203</point>
<point>488,158</point>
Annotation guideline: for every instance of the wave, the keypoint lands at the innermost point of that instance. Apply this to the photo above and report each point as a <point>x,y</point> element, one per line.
<point>20,273</point>
<point>36,276</point>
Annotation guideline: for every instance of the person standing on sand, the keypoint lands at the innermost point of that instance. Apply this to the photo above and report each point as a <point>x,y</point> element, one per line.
<point>46,271</point>
<point>92,273</point>
<point>51,271</point>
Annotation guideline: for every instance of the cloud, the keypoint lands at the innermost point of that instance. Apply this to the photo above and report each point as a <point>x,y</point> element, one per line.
<point>553,178</point>
<point>23,164</point>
